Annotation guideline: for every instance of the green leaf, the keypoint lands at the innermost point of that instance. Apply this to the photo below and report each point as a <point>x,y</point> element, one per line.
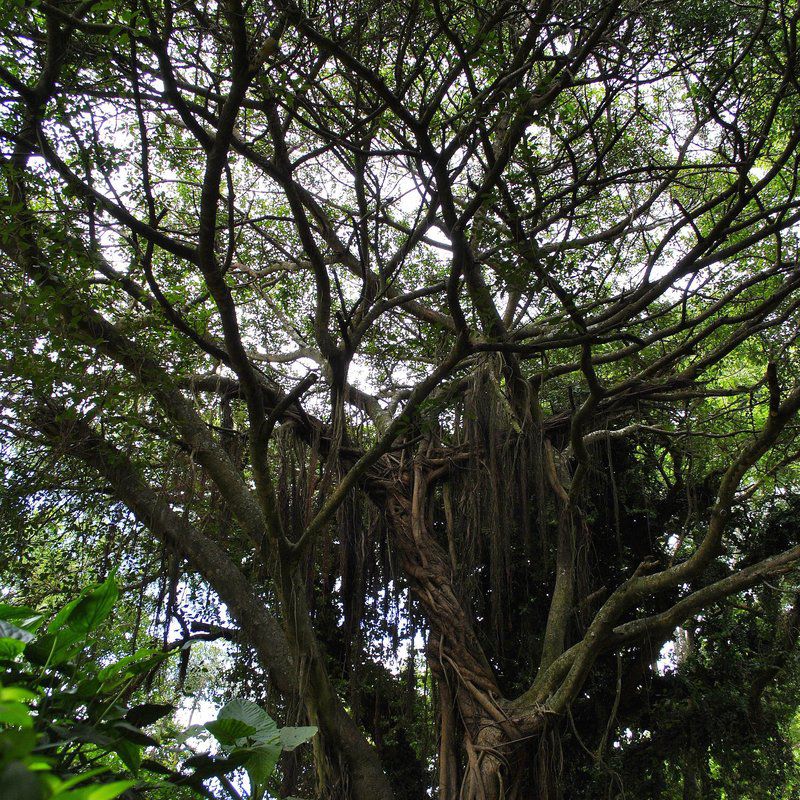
<point>119,668</point>
<point>22,616</point>
<point>292,737</point>
<point>15,714</point>
<point>110,790</point>
<point>54,648</point>
<point>90,609</point>
<point>266,730</point>
<point>130,753</point>
<point>16,693</point>
<point>261,762</point>
<point>10,648</point>
<point>228,731</point>
<point>92,773</point>
<point>60,619</point>
<point>17,745</point>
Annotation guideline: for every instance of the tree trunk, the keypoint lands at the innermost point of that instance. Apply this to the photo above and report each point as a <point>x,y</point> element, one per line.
<point>484,754</point>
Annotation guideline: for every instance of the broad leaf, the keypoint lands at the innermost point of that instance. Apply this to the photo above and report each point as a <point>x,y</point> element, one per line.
<point>130,753</point>
<point>15,714</point>
<point>107,791</point>
<point>10,648</point>
<point>228,731</point>
<point>83,777</point>
<point>292,737</point>
<point>54,648</point>
<point>111,790</point>
<point>60,619</point>
<point>266,730</point>
<point>261,762</point>
<point>89,610</point>
<point>16,693</point>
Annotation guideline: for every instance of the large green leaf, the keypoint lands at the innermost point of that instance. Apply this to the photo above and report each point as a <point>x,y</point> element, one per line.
<point>229,730</point>
<point>130,753</point>
<point>17,745</point>
<point>292,737</point>
<point>110,790</point>
<point>266,729</point>
<point>16,714</point>
<point>76,780</point>
<point>54,648</point>
<point>60,619</point>
<point>83,615</point>
<point>10,648</point>
<point>17,693</point>
<point>260,763</point>
<point>66,633</point>
<point>241,721</point>
<point>107,791</point>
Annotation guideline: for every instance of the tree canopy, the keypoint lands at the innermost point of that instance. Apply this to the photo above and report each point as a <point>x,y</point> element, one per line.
<point>441,356</point>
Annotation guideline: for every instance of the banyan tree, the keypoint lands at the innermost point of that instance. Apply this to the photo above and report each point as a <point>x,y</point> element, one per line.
<point>449,347</point>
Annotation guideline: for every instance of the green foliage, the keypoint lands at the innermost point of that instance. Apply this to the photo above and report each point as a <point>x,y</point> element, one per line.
<point>252,739</point>
<point>68,725</point>
<point>70,729</point>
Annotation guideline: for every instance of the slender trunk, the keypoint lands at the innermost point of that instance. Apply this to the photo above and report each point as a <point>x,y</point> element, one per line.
<point>448,745</point>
